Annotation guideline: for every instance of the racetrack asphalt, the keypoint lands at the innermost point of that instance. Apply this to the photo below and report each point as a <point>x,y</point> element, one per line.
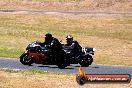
<point>72,69</point>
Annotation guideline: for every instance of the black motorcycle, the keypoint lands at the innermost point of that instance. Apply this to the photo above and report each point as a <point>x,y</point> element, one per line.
<point>84,58</point>
<point>37,52</point>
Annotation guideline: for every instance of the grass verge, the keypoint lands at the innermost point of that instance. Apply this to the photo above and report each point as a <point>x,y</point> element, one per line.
<point>15,79</point>
<point>91,5</point>
<point>109,34</point>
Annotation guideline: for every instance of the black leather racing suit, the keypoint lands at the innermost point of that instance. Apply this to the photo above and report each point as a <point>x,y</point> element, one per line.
<point>74,47</point>
<point>56,48</point>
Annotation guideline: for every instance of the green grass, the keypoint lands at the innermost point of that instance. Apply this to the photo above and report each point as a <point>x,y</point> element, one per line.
<point>110,34</point>
<point>32,72</point>
<point>10,70</point>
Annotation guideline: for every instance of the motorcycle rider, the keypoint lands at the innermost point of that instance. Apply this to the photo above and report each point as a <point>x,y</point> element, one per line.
<point>73,46</point>
<point>51,41</point>
<point>54,44</point>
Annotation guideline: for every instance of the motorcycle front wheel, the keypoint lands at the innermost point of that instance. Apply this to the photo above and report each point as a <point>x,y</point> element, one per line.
<point>86,61</point>
<point>25,60</point>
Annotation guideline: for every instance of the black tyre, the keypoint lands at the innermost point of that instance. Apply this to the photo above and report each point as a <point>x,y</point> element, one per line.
<point>86,61</point>
<point>81,80</point>
<point>90,60</point>
<point>25,60</point>
<point>62,65</point>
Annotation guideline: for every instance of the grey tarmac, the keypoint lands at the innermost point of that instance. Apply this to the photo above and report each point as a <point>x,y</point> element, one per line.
<point>72,69</point>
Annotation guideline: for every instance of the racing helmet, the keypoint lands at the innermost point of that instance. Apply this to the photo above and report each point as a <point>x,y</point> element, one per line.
<point>69,39</point>
<point>48,37</point>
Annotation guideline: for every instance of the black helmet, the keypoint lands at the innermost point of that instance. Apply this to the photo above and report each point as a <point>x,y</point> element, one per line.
<point>48,37</point>
<point>69,37</point>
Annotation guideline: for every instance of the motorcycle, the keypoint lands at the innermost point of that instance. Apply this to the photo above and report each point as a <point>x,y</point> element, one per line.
<point>38,53</point>
<point>84,58</point>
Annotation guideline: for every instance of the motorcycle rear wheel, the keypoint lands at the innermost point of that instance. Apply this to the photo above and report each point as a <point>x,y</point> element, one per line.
<point>62,64</point>
<point>25,60</point>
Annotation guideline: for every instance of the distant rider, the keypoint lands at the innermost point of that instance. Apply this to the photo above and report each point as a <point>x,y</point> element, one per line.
<point>73,46</point>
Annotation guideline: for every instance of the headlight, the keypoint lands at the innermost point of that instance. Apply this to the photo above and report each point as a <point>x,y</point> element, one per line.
<point>94,49</point>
